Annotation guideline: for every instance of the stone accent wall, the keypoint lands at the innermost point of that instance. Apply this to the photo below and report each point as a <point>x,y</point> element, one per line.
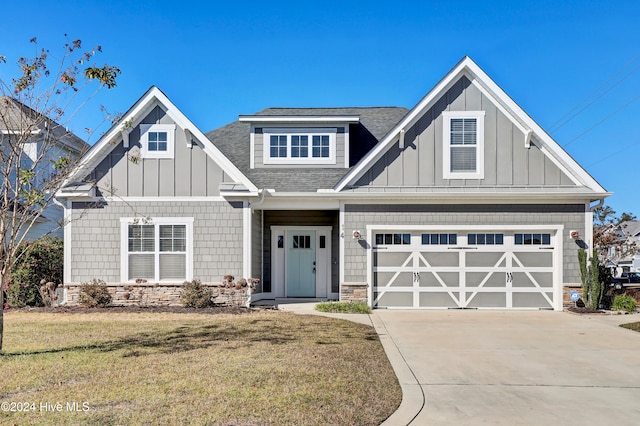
<point>566,295</point>
<point>354,292</point>
<point>154,294</point>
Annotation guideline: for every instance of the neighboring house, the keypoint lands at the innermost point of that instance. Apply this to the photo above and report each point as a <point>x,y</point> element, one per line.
<point>48,142</point>
<point>461,202</point>
<point>624,253</point>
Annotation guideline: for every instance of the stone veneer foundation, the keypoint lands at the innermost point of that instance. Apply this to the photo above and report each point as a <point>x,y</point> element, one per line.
<point>158,294</point>
<point>354,292</point>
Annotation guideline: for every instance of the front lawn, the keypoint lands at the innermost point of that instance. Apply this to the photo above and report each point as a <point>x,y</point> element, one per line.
<point>190,368</point>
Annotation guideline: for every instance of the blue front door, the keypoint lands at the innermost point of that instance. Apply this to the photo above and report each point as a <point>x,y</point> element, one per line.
<point>301,264</point>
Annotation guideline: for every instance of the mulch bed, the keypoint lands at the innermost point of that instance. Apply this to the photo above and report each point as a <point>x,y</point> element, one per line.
<point>235,310</point>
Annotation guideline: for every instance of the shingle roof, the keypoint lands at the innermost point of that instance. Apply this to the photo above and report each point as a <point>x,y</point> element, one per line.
<point>233,141</point>
<point>16,116</point>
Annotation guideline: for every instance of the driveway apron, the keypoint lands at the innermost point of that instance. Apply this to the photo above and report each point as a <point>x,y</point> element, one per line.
<point>499,367</point>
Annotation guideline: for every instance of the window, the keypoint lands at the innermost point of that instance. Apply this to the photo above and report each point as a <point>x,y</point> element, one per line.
<point>157,140</point>
<point>321,146</point>
<point>439,239</point>
<point>532,239</point>
<point>463,151</point>
<point>299,146</point>
<point>159,251</point>
<point>301,241</point>
<point>485,239</point>
<point>393,239</point>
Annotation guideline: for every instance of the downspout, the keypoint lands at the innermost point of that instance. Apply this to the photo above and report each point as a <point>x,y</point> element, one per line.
<point>65,243</point>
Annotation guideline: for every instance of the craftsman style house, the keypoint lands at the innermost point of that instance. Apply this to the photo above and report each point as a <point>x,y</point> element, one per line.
<point>461,202</point>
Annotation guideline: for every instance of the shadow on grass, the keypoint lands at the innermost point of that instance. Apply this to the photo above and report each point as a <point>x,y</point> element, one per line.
<point>233,336</point>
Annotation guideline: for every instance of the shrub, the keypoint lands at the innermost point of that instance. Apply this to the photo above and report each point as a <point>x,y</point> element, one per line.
<point>344,307</point>
<point>195,295</point>
<point>624,302</point>
<point>94,294</point>
<point>40,261</point>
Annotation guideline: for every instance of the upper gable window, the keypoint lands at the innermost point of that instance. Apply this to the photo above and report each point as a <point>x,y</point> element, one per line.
<point>463,140</point>
<point>299,146</point>
<point>157,140</point>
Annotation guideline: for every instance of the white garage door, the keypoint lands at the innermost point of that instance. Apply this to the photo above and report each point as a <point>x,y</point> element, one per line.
<point>438,268</point>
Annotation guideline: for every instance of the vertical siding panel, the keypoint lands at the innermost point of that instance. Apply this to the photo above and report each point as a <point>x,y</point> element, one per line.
<point>214,178</point>
<point>505,149</point>
<point>379,173</point>
<point>410,158</point>
<point>473,97</point>
<point>167,177</point>
<point>520,157</point>
<point>438,108</point>
<point>551,173</point>
<point>183,169</point>
<point>150,177</point>
<point>496,170</point>
<point>426,149</point>
<point>394,165</point>
<point>198,173</point>
<point>536,165</point>
<point>455,97</point>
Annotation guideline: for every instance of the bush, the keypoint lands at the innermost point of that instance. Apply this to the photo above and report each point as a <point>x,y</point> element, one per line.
<point>94,294</point>
<point>40,262</point>
<point>344,307</point>
<point>195,295</point>
<point>624,302</point>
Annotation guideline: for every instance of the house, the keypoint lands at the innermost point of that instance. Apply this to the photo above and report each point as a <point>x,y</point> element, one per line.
<point>623,254</point>
<point>43,141</point>
<point>461,202</point>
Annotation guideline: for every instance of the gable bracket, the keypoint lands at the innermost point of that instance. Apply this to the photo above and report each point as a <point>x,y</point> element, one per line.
<point>527,139</point>
<point>401,138</point>
<point>124,133</point>
<point>189,136</point>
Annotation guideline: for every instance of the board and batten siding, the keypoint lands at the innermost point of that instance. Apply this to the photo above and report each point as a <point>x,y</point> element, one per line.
<point>190,173</point>
<point>506,160</point>
<point>340,147</point>
<point>95,237</point>
<point>571,216</point>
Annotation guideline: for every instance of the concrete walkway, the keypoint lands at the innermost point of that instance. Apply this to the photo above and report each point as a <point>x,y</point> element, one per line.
<point>496,367</point>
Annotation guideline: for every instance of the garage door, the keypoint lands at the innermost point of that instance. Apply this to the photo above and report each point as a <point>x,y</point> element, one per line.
<point>469,269</point>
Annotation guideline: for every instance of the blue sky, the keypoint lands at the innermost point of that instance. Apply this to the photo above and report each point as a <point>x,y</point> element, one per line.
<point>216,60</point>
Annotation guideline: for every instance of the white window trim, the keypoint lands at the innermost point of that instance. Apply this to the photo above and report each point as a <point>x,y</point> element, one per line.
<point>288,132</point>
<point>447,116</point>
<point>144,140</point>
<point>124,245</point>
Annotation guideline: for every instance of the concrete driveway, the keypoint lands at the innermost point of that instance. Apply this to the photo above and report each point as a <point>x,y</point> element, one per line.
<point>490,367</point>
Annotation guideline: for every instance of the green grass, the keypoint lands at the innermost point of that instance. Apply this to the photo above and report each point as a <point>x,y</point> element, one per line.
<point>270,368</point>
<point>635,326</point>
<point>344,307</point>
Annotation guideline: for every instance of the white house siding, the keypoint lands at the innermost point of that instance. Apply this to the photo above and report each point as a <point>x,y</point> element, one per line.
<point>95,237</point>
<point>358,216</point>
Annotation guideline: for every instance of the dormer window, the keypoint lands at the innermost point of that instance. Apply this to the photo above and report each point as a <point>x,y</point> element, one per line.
<point>299,146</point>
<point>157,140</point>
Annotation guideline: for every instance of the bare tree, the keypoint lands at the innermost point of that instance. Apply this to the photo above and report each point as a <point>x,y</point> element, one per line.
<point>37,153</point>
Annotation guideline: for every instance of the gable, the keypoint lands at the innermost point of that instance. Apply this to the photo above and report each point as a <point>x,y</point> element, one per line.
<point>190,171</point>
<point>508,151</point>
<point>128,161</point>
<point>507,162</point>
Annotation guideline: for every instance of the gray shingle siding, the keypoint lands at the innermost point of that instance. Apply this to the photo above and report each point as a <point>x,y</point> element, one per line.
<point>95,242</point>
